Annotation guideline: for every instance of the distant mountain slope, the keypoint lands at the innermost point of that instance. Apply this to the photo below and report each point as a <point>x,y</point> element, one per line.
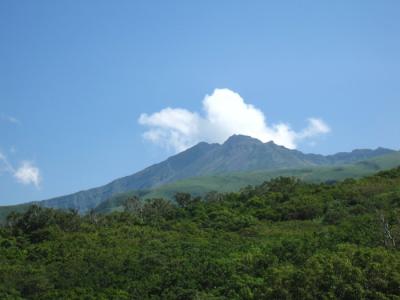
<point>230,182</point>
<point>238,153</point>
<point>234,181</point>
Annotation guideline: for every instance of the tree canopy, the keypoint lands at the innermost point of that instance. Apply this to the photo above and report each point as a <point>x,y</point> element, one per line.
<point>284,239</point>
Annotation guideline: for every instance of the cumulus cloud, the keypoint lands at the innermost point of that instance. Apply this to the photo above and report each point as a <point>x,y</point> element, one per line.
<point>26,173</point>
<point>224,113</point>
<point>172,127</point>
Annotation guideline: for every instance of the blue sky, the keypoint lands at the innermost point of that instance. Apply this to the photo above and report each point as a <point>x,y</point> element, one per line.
<point>76,76</point>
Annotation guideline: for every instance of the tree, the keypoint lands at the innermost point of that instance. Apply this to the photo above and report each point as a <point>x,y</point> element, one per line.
<point>157,210</point>
<point>133,205</point>
<point>183,199</point>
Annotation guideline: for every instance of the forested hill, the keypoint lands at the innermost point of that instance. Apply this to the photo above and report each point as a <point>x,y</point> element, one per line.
<point>283,239</point>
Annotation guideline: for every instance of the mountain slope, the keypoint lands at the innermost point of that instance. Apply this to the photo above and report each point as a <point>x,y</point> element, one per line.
<point>231,182</point>
<point>239,153</point>
<point>234,181</point>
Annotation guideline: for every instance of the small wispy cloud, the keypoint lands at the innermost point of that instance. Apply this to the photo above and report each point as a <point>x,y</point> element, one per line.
<point>10,119</point>
<point>225,113</point>
<point>27,173</point>
<point>5,166</point>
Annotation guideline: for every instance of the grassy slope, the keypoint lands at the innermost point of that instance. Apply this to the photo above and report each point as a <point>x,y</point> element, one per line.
<point>234,181</point>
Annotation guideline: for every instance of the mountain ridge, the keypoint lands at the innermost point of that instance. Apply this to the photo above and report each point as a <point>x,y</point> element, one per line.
<point>237,153</point>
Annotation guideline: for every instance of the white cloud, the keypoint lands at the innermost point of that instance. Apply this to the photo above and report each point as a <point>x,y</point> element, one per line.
<point>176,128</point>
<point>315,127</point>
<point>5,166</point>
<point>225,114</point>
<point>27,173</point>
<point>10,119</point>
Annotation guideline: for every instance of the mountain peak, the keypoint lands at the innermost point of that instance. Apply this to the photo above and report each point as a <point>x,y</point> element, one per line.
<point>241,139</point>
<point>272,143</point>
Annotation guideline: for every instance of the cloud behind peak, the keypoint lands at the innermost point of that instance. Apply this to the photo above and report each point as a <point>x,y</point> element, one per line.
<point>224,113</point>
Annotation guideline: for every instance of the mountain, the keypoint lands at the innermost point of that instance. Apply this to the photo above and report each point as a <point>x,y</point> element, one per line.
<point>238,154</point>
<point>233,182</point>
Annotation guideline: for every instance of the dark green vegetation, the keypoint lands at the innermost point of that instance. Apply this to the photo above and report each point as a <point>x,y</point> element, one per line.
<point>283,239</point>
<point>6,210</point>
<point>240,161</point>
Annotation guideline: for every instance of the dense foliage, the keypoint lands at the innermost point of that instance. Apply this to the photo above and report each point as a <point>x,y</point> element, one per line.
<point>284,239</point>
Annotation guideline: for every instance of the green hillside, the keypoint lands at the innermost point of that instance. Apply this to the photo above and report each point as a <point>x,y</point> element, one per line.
<point>199,186</point>
<point>235,181</point>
